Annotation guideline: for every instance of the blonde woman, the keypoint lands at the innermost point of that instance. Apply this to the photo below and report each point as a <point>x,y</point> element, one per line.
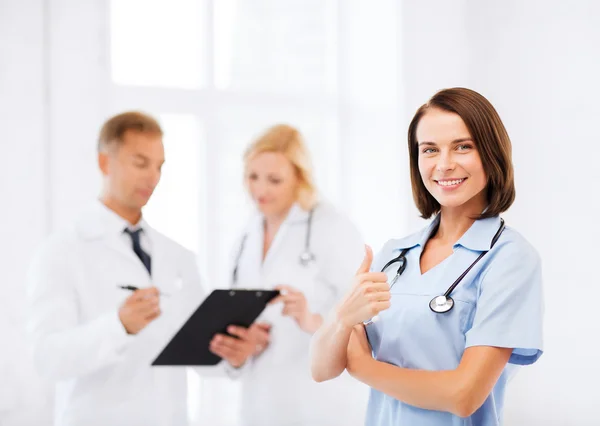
<point>303,246</point>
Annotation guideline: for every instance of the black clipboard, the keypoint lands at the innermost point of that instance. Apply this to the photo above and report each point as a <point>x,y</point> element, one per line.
<point>189,347</point>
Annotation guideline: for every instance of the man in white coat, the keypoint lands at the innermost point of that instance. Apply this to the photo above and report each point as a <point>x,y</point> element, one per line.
<point>93,337</point>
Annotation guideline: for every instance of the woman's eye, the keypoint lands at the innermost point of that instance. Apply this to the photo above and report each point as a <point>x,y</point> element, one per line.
<point>428,150</point>
<point>464,147</point>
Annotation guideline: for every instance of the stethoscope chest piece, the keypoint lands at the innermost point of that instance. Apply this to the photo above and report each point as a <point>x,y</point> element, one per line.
<point>306,258</point>
<point>441,304</point>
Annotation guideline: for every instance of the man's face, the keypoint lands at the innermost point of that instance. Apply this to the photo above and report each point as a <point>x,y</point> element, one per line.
<point>132,169</point>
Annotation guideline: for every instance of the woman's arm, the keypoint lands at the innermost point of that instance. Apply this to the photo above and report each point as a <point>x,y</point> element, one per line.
<point>328,349</point>
<point>461,391</point>
<point>369,295</point>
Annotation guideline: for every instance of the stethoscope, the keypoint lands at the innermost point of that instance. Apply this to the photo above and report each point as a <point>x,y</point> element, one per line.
<point>443,303</point>
<point>306,256</point>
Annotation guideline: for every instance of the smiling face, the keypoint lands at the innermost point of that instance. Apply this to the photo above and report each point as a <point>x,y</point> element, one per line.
<point>449,162</point>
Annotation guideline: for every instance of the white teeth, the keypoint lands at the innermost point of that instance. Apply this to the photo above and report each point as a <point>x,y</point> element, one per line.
<point>450,182</point>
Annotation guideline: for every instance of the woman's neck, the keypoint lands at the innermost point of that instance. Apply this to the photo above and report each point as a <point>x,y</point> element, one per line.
<point>271,224</point>
<point>273,221</point>
<point>455,221</point>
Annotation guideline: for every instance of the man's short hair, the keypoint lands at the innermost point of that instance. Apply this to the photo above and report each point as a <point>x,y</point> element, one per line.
<point>114,129</point>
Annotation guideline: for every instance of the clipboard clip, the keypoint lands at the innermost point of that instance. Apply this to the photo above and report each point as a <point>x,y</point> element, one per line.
<point>258,293</point>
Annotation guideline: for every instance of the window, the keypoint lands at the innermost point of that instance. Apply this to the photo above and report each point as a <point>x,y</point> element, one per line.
<point>157,43</point>
<point>175,207</point>
<point>276,46</point>
<point>217,73</point>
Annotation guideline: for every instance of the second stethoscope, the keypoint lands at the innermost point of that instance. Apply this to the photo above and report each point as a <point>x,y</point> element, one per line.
<point>443,303</point>
<point>305,258</point>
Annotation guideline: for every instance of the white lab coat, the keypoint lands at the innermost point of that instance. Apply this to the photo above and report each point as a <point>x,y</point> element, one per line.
<point>277,388</point>
<point>103,375</point>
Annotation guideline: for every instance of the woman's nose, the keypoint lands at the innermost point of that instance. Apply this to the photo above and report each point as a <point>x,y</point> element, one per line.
<point>445,162</point>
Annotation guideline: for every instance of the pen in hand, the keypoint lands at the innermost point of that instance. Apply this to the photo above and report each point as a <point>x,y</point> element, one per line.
<point>134,288</point>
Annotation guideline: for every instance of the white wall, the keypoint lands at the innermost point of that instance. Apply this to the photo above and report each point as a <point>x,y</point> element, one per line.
<point>50,108</point>
<point>369,110</point>
<point>538,62</point>
<point>78,102</point>
<point>23,186</point>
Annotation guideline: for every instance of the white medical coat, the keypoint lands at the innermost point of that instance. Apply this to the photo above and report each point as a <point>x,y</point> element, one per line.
<point>103,375</point>
<point>277,388</point>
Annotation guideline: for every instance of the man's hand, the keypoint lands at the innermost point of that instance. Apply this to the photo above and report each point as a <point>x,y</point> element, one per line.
<point>139,309</point>
<point>245,343</point>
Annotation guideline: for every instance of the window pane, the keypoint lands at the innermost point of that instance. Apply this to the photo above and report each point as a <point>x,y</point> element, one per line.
<point>276,46</point>
<point>157,43</point>
<point>175,207</point>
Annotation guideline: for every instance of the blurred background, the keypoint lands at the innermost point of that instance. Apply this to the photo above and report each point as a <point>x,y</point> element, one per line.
<point>349,74</point>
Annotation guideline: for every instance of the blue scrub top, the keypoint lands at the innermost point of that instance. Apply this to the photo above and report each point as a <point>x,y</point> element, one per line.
<point>498,303</point>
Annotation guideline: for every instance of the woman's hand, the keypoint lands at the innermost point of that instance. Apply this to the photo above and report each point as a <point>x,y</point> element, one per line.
<point>370,294</point>
<point>359,349</point>
<point>296,306</point>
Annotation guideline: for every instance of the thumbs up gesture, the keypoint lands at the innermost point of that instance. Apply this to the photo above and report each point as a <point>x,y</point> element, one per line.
<point>370,294</point>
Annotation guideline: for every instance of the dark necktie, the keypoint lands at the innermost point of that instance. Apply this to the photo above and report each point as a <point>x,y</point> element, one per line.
<point>137,248</point>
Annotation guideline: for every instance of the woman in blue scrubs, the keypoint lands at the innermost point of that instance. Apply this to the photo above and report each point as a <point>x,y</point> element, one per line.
<point>451,368</point>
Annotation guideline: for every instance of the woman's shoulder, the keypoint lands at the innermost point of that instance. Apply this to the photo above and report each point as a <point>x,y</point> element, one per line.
<point>513,245</point>
<point>394,246</point>
<point>327,210</point>
<point>331,218</point>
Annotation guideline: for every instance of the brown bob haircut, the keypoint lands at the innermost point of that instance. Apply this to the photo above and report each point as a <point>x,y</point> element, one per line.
<point>114,129</point>
<point>490,138</point>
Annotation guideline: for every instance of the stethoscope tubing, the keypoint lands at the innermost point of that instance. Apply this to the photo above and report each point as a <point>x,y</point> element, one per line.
<point>306,257</point>
<point>437,304</point>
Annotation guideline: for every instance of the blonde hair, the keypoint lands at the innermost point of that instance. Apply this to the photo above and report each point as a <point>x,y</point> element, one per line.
<point>287,140</point>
